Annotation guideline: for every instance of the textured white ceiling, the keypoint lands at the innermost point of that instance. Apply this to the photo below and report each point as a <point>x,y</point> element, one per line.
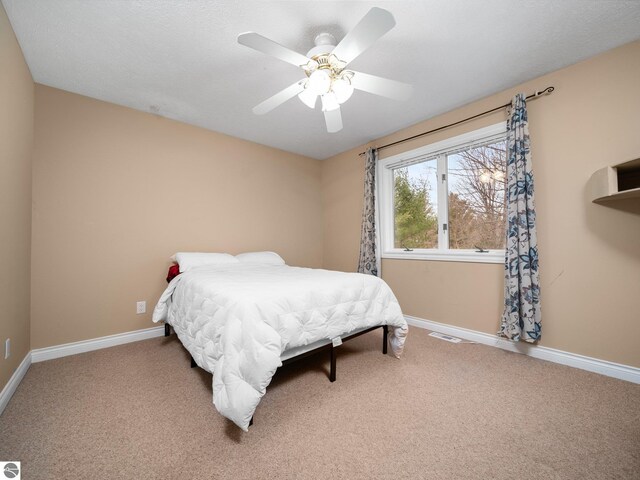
<point>180,59</point>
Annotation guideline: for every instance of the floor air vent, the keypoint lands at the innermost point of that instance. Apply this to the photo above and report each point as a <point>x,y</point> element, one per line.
<point>447,338</point>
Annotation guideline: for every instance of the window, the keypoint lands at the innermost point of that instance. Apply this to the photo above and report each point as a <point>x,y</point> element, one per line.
<point>446,201</point>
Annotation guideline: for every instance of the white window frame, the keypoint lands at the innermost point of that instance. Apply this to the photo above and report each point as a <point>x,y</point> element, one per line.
<point>439,151</point>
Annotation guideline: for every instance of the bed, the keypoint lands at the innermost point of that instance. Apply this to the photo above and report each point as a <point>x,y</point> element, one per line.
<point>242,319</point>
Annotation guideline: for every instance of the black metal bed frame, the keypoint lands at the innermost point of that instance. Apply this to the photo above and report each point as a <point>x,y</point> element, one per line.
<point>333,350</point>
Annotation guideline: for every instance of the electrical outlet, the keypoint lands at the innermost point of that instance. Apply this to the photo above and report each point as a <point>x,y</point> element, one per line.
<point>141,307</point>
<point>7,348</point>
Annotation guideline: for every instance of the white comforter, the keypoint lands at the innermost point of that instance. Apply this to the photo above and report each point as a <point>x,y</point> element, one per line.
<point>236,320</point>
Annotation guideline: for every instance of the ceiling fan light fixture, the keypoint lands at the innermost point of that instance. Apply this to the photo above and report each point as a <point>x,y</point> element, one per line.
<point>310,67</point>
<point>329,102</point>
<point>308,97</point>
<point>342,89</point>
<point>319,82</point>
<point>335,63</point>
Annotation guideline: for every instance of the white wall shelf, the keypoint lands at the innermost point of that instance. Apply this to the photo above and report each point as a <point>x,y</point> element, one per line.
<point>615,182</point>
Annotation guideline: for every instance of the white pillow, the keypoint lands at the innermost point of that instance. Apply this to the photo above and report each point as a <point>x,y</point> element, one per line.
<point>263,258</point>
<point>189,260</point>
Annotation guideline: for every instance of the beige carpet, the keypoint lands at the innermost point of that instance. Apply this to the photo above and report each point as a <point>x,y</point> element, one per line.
<point>444,411</point>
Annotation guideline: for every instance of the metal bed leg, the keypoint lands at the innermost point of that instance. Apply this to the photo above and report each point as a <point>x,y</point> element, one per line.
<point>332,372</point>
<point>167,329</point>
<point>385,338</point>
<point>193,363</point>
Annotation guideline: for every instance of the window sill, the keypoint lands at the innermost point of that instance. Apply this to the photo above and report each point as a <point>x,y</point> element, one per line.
<point>493,256</point>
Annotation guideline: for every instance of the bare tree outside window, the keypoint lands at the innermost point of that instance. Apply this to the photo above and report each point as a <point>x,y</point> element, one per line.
<point>477,197</point>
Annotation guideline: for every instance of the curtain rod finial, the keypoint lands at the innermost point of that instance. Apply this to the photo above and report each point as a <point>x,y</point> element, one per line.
<point>546,91</point>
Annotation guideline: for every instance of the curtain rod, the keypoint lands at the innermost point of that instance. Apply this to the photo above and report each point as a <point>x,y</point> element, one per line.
<point>535,95</point>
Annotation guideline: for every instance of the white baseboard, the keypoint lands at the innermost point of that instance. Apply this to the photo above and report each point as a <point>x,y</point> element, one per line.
<point>14,381</point>
<point>610,369</point>
<point>603,367</point>
<point>58,351</point>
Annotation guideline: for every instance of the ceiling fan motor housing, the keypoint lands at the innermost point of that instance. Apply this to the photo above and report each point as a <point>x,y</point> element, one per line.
<point>325,43</point>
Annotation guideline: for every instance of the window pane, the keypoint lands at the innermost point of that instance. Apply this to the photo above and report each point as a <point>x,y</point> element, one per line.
<point>477,197</point>
<point>415,205</point>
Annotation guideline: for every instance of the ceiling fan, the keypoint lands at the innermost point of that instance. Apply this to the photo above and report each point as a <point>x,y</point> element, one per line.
<point>325,68</point>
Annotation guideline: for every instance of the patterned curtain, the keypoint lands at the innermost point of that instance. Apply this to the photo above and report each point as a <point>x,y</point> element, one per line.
<point>368,261</point>
<point>521,318</point>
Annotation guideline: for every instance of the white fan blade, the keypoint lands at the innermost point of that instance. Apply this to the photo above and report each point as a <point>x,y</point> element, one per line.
<point>373,25</point>
<point>265,45</point>
<point>381,86</point>
<point>279,98</point>
<point>333,118</point>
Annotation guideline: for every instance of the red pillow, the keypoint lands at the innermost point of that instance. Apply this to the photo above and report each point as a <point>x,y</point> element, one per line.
<point>174,271</point>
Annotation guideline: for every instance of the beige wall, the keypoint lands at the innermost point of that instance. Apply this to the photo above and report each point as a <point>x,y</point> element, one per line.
<point>117,191</point>
<point>16,144</point>
<point>589,254</point>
